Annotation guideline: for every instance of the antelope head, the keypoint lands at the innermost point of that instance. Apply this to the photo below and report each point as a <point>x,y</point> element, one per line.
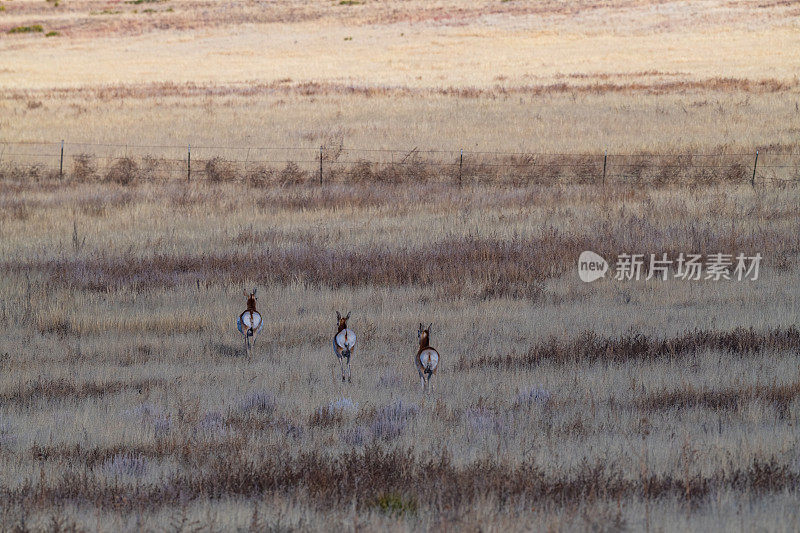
<point>424,334</point>
<point>341,321</point>
<point>251,299</point>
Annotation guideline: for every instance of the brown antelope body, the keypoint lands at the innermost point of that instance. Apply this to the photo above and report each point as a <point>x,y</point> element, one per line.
<point>344,343</point>
<point>427,358</point>
<point>250,322</point>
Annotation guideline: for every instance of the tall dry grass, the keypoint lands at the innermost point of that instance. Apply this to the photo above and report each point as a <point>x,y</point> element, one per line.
<point>127,400</point>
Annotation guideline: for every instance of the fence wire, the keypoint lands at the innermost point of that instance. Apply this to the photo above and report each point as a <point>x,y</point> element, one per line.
<point>151,162</point>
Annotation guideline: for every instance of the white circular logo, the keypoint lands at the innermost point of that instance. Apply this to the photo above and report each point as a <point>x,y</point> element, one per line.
<point>591,266</point>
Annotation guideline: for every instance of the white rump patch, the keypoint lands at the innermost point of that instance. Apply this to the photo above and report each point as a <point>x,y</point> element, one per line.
<point>245,323</point>
<point>429,358</point>
<point>346,339</point>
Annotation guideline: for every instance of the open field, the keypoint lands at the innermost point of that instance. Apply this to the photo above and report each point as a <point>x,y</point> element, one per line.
<point>514,76</point>
<point>126,400</point>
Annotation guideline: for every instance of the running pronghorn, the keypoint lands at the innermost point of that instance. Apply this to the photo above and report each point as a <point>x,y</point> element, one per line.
<point>250,323</point>
<point>427,358</point>
<point>344,342</point>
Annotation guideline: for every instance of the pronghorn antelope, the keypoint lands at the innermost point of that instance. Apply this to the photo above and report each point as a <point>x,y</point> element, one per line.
<point>344,342</point>
<point>427,358</point>
<point>250,323</point>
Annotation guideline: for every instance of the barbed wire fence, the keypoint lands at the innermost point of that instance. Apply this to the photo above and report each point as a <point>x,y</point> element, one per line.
<point>126,163</point>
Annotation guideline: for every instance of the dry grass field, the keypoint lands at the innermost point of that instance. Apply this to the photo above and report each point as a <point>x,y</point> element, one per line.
<point>127,402</point>
<point>626,76</point>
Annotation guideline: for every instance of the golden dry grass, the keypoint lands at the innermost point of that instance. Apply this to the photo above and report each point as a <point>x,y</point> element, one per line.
<point>126,402</point>
<point>443,44</point>
<point>617,404</point>
<point>548,77</point>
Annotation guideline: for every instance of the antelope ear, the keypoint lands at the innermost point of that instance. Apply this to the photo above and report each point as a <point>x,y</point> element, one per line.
<point>338,316</point>
<point>348,316</point>
<point>254,290</point>
<point>429,328</point>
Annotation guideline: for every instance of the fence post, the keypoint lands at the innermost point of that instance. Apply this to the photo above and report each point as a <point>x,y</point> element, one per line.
<point>61,162</point>
<point>753,179</point>
<point>320,165</point>
<point>605,160</point>
<point>460,166</point>
<point>189,164</point>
